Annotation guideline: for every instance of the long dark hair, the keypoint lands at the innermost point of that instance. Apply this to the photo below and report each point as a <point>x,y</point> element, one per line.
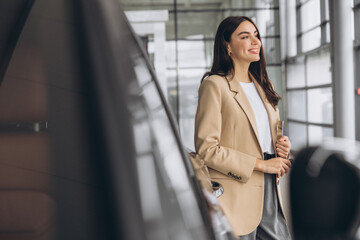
<point>224,66</point>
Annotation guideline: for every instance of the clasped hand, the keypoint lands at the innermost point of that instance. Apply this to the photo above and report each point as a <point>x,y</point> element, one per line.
<point>283,146</point>
<point>279,165</point>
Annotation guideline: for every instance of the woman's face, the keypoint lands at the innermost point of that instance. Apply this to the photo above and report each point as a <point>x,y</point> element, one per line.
<point>244,44</point>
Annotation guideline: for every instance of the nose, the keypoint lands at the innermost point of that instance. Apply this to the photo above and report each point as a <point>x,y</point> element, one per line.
<point>255,41</point>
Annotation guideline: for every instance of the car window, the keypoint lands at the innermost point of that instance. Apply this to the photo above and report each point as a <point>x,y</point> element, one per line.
<point>167,195</point>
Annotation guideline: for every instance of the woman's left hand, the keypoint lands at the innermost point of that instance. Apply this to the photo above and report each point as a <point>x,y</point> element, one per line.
<point>283,146</point>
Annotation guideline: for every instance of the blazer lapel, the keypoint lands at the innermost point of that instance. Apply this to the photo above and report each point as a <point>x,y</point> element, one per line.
<point>244,103</point>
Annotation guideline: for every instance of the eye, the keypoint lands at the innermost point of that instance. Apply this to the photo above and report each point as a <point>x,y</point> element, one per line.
<point>245,37</point>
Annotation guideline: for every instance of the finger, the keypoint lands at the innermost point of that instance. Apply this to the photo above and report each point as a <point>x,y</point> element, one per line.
<point>282,149</point>
<point>282,172</point>
<point>287,162</point>
<point>282,145</point>
<point>286,168</point>
<point>282,154</point>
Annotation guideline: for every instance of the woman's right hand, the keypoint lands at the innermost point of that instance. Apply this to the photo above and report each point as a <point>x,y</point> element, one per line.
<point>279,166</point>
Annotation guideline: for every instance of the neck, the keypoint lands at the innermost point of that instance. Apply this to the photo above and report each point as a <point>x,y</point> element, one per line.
<point>241,72</point>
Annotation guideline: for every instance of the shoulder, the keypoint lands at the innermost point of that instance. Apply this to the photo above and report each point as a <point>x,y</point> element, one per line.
<point>213,87</point>
<point>215,80</point>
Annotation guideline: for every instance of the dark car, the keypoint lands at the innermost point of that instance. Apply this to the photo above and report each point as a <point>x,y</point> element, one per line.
<point>88,146</point>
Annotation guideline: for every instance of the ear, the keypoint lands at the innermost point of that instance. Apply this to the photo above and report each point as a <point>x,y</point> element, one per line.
<point>228,47</point>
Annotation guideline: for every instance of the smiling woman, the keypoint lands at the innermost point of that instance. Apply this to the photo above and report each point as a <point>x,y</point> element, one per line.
<point>235,132</point>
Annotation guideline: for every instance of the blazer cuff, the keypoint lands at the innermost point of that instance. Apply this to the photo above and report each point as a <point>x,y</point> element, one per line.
<point>239,168</point>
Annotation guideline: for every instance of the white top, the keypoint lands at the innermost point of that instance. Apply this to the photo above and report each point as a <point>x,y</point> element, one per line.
<point>261,116</point>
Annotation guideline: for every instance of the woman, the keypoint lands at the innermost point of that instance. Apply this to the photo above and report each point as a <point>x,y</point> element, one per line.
<point>235,132</point>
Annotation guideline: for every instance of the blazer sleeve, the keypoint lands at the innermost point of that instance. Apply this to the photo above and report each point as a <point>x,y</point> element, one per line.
<point>208,132</point>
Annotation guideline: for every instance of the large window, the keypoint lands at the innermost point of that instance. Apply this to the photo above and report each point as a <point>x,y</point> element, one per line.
<point>312,24</point>
<point>309,94</point>
<point>308,77</point>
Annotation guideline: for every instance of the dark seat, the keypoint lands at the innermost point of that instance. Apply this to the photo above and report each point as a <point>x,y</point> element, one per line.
<point>26,215</point>
<point>325,205</point>
<point>26,208</point>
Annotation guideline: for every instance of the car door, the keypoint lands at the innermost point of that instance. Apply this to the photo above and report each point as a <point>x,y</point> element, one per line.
<point>88,146</point>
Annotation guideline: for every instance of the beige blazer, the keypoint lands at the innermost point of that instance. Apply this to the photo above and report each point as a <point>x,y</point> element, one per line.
<point>226,138</point>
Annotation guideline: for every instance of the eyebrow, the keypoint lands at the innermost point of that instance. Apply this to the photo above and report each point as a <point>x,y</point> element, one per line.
<point>246,33</point>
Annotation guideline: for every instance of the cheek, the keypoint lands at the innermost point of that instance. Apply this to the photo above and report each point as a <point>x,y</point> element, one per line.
<point>242,47</point>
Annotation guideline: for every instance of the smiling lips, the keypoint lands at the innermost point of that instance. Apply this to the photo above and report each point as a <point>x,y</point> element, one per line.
<point>254,50</point>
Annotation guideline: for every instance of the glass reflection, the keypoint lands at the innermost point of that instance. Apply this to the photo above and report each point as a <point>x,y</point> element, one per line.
<point>295,73</point>
<point>142,73</point>
<point>311,40</point>
<point>192,53</point>
<point>320,105</point>
<point>271,48</point>
<point>318,67</point>
<point>152,98</point>
<point>297,105</point>
<point>150,200</point>
<point>310,15</point>
<point>298,135</point>
<point>318,134</point>
<point>142,136</point>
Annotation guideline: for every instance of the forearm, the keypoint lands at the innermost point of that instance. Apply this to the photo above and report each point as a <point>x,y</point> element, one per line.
<point>277,165</point>
<point>259,165</point>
